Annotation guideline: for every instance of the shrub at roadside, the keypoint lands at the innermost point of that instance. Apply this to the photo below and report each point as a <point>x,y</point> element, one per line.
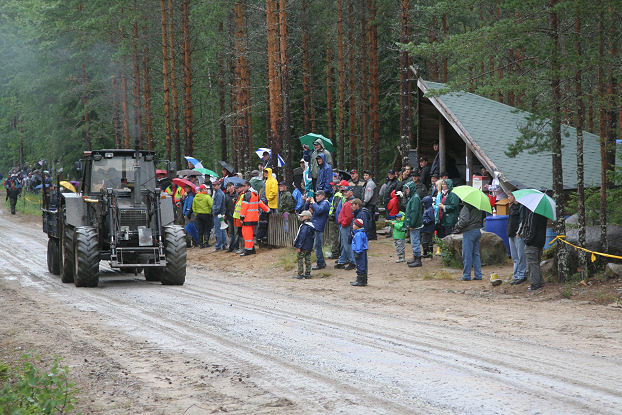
<point>30,389</point>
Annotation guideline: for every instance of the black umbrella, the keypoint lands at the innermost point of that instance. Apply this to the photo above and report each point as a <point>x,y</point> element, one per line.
<point>227,166</point>
<point>189,172</point>
<point>344,175</point>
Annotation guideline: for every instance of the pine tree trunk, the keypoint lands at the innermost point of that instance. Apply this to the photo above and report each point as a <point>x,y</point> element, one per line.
<point>165,76</point>
<point>352,87</point>
<point>137,122</point>
<point>329,95</point>
<point>174,103</point>
<point>286,133</point>
<point>374,108</point>
<point>432,63</point>
<point>444,59</point>
<point>125,112</point>
<point>147,98</point>
<point>364,86</point>
<point>116,112</point>
<point>87,134</point>
<point>221,97</point>
<point>556,144</point>
<point>306,71</point>
<point>612,94</point>
<point>188,127</point>
<point>405,104</point>
<point>602,123</point>
<point>274,76</point>
<point>580,117</point>
<point>242,79</point>
<point>341,87</point>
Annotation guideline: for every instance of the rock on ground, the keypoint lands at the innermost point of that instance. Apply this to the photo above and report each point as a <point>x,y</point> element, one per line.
<point>491,247</point>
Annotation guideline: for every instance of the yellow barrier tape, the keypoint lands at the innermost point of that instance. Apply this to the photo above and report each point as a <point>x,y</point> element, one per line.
<point>594,253</point>
<point>32,201</point>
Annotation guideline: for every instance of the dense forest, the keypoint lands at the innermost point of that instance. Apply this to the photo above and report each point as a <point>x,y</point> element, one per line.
<point>217,79</point>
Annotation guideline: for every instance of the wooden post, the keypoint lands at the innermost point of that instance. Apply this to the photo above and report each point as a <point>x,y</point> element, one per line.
<point>469,166</point>
<point>441,143</point>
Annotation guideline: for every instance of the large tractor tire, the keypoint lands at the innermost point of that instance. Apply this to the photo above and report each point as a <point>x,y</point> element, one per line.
<point>67,255</point>
<point>54,256</point>
<point>86,257</point>
<point>175,243</point>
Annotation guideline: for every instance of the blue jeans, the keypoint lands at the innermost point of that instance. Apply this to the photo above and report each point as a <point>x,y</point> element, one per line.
<point>361,263</point>
<point>517,251</point>
<point>346,247</point>
<point>220,234</point>
<point>415,241</point>
<point>470,254</point>
<point>317,245</point>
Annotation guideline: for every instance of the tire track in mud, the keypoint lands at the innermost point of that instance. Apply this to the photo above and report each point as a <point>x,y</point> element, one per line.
<point>528,376</point>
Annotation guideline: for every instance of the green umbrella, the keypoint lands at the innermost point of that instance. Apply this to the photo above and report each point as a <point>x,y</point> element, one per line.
<point>206,171</point>
<point>536,201</point>
<point>308,139</point>
<point>473,197</point>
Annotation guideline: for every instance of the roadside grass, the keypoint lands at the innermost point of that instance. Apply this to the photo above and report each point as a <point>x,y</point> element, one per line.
<point>439,275</point>
<point>289,261</point>
<point>27,203</point>
<point>34,388</point>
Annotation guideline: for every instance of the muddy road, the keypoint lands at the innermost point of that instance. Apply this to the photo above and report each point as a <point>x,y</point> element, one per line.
<point>235,343</point>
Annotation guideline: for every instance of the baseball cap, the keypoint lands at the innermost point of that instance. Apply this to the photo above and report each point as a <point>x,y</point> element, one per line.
<point>332,183</point>
<point>358,222</point>
<point>345,189</point>
<point>391,171</point>
<point>353,171</point>
<point>305,213</point>
<point>343,183</point>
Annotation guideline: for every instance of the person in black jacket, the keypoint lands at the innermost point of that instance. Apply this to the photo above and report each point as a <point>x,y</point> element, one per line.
<point>304,244</point>
<point>517,245</point>
<point>469,224</point>
<point>533,232</point>
<point>12,193</point>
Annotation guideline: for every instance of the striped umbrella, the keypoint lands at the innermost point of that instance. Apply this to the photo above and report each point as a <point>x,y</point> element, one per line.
<point>537,202</point>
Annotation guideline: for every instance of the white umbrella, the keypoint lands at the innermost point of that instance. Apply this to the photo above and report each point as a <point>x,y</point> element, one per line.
<point>262,150</point>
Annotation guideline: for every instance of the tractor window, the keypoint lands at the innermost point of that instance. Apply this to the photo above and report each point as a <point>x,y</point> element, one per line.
<point>121,172</point>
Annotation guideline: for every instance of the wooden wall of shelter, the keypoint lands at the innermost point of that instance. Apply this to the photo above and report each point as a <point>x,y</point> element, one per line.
<point>282,230</point>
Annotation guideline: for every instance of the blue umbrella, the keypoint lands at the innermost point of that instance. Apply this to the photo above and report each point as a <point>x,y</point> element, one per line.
<point>233,179</point>
<point>196,163</point>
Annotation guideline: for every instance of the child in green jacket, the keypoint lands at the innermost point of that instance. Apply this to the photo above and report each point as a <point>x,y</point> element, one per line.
<point>399,235</point>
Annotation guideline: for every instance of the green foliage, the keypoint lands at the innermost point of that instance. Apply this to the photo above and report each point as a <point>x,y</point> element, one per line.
<point>32,390</point>
<point>27,203</point>
<point>448,257</point>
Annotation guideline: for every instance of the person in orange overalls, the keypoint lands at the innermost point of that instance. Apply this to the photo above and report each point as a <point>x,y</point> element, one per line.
<point>249,215</point>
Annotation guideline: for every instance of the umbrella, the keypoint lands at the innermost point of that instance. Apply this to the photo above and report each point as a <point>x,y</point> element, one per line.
<point>184,182</point>
<point>262,150</point>
<point>308,139</point>
<point>195,162</point>
<point>160,172</point>
<point>206,171</point>
<point>473,197</point>
<point>227,166</point>
<point>344,175</point>
<point>68,186</point>
<point>233,179</point>
<point>536,201</point>
<point>188,172</point>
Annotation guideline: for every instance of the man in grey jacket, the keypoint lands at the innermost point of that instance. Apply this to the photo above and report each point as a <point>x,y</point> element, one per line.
<point>370,201</point>
<point>311,158</point>
<point>469,224</point>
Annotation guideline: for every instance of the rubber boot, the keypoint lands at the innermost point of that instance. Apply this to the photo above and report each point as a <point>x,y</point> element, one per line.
<point>412,261</point>
<point>361,281</point>
<point>416,262</point>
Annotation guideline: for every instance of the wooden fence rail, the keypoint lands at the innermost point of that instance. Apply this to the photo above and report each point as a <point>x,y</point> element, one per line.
<point>283,227</point>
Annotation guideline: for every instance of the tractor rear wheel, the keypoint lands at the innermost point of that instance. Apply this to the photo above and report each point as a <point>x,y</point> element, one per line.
<point>67,247</point>
<point>175,242</point>
<point>54,256</point>
<point>86,257</point>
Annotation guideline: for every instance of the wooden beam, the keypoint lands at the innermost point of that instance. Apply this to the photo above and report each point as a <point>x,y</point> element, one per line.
<point>441,144</point>
<point>469,166</point>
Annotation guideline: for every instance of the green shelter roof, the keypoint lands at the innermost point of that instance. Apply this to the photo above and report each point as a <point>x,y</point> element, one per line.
<point>489,127</point>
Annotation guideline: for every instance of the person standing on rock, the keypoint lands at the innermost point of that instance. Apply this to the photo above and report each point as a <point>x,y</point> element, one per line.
<point>469,225</point>
<point>533,232</point>
<point>517,245</point>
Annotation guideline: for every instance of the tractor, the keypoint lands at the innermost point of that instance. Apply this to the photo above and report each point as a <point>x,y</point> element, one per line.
<point>118,214</point>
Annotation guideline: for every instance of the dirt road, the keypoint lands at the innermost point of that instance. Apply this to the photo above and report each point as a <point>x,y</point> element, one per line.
<point>252,342</point>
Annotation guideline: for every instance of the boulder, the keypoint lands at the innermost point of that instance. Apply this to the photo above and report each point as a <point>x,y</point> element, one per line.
<point>592,242</point>
<point>613,270</point>
<point>491,248</point>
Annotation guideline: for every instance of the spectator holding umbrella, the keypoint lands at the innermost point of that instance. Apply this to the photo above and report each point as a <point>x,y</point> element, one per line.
<point>311,158</point>
<point>517,245</point>
<point>218,214</point>
<point>325,175</point>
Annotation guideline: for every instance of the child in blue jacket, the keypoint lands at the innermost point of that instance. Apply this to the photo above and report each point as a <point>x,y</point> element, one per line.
<point>359,247</point>
<point>427,232</point>
<point>304,243</point>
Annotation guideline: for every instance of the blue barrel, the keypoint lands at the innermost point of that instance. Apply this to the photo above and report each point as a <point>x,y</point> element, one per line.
<point>499,225</point>
<point>550,235</point>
